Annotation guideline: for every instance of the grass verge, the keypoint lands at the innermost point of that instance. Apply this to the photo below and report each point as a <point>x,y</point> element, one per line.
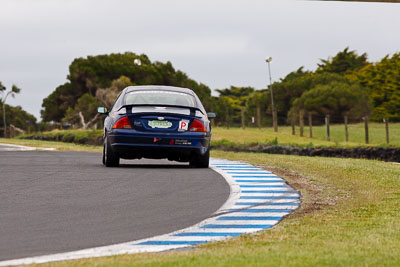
<point>285,137</point>
<point>349,217</point>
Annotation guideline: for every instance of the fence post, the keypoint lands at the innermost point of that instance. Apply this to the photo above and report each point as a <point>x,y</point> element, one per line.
<point>346,129</point>
<point>227,117</point>
<point>327,123</point>
<point>243,121</point>
<point>301,122</point>
<point>259,117</point>
<point>12,131</point>
<point>310,123</point>
<point>275,120</point>
<point>292,121</point>
<point>386,121</point>
<point>366,129</point>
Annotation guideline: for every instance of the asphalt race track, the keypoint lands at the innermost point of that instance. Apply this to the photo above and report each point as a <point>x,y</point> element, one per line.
<point>56,201</point>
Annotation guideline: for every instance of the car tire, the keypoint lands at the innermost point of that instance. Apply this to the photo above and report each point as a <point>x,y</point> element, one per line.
<point>201,161</point>
<point>110,159</point>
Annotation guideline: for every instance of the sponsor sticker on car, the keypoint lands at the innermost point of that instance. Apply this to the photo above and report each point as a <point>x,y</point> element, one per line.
<point>183,125</point>
<point>182,142</point>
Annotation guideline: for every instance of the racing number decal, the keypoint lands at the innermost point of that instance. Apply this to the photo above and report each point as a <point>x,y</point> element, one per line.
<point>183,125</point>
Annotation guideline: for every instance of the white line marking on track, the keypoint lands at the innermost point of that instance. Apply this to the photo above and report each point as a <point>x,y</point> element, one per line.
<point>11,147</point>
<point>251,207</point>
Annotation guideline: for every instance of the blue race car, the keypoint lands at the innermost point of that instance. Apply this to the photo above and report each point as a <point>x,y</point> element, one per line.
<point>157,122</point>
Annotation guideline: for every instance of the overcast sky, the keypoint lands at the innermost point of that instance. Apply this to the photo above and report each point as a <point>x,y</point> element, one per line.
<point>217,42</point>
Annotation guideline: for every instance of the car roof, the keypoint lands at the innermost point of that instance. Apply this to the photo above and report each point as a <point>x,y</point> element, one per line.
<point>158,87</point>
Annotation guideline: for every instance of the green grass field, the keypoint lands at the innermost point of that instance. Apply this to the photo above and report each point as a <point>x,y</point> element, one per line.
<point>284,135</point>
<point>349,217</point>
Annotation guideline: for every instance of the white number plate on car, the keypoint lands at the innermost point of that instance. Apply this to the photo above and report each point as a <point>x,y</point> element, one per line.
<point>160,124</point>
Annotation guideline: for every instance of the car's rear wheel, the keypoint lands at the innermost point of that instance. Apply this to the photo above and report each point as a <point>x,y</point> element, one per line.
<point>110,159</point>
<point>201,161</point>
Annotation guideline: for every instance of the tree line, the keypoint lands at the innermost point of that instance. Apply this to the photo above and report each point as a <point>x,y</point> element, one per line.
<point>97,80</point>
<point>346,84</point>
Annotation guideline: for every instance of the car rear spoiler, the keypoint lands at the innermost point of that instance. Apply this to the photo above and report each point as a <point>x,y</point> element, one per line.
<point>192,109</point>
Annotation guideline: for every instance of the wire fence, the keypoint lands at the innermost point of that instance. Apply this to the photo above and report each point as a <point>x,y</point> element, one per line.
<point>308,124</point>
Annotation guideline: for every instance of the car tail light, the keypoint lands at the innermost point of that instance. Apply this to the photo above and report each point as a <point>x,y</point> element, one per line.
<point>197,126</point>
<point>123,123</point>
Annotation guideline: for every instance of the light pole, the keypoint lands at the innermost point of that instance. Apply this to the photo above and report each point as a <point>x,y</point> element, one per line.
<point>274,115</point>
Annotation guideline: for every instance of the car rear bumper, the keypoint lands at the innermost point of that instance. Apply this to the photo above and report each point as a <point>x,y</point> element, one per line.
<point>130,144</point>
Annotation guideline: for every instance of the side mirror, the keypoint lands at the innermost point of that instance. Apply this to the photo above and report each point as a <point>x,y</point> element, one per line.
<point>102,110</point>
<point>211,115</point>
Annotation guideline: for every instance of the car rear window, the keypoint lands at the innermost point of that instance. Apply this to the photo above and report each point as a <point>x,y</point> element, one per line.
<point>158,97</point>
